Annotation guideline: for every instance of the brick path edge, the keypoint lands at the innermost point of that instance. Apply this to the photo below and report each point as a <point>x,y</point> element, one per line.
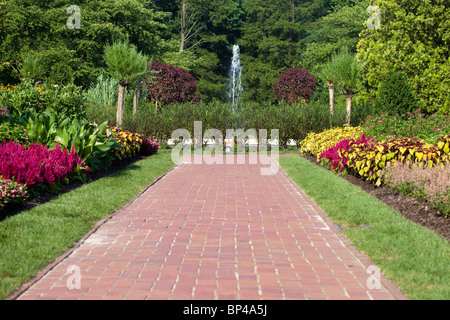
<point>24,287</point>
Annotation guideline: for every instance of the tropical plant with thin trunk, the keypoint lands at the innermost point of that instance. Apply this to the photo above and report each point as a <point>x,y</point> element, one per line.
<point>325,73</point>
<point>127,65</point>
<point>344,71</point>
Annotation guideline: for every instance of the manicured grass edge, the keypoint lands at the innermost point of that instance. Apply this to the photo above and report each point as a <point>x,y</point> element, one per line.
<point>63,223</point>
<point>413,257</point>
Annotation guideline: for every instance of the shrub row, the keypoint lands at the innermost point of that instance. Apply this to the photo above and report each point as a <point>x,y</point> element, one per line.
<point>69,99</point>
<point>293,121</point>
<point>405,125</point>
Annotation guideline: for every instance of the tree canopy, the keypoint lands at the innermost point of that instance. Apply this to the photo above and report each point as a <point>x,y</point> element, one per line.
<point>411,36</point>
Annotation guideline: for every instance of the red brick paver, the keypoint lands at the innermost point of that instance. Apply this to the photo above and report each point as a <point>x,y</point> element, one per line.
<point>215,232</point>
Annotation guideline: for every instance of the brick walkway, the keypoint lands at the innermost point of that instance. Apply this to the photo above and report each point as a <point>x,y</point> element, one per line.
<point>214,232</point>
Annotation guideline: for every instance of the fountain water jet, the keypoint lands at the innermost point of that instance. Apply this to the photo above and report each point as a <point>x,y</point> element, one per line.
<point>235,87</point>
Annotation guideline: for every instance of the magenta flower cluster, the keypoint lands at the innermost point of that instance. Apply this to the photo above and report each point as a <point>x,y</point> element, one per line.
<point>37,164</point>
<point>335,154</point>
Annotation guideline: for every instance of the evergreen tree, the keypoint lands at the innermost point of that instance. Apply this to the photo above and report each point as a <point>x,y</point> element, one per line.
<point>395,95</point>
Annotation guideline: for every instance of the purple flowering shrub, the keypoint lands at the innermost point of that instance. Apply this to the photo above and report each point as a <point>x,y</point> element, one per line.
<point>335,158</point>
<point>37,165</point>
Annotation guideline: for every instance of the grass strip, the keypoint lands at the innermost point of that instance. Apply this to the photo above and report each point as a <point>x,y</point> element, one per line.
<point>413,257</point>
<point>32,239</point>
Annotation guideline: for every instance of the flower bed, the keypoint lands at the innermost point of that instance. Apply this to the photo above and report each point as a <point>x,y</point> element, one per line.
<point>132,144</point>
<point>427,184</point>
<point>37,165</point>
<point>412,166</point>
<point>367,159</point>
<point>316,143</point>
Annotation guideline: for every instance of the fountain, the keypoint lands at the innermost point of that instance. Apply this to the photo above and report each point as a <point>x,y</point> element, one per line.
<point>234,90</point>
<point>235,87</point>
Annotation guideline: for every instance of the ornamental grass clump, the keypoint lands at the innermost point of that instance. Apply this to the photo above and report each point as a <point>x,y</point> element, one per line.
<point>426,184</point>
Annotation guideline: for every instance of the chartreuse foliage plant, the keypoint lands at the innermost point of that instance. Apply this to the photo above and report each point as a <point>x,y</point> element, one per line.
<point>413,38</point>
<point>368,159</point>
<point>316,143</point>
<point>130,143</point>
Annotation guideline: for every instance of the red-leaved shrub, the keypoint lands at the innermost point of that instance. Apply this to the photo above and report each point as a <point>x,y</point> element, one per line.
<point>171,85</point>
<point>149,147</point>
<point>37,164</point>
<point>294,85</point>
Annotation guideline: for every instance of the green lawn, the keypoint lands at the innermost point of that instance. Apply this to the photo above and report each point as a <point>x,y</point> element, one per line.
<point>32,239</point>
<point>411,256</point>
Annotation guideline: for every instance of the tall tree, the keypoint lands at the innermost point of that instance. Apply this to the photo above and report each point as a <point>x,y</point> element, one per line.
<point>40,28</point>
<point>341,27</point>
<point>201,41</point>
<point>413,38</point>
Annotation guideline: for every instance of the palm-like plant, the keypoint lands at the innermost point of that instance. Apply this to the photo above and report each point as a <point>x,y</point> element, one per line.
<point>325,73</point>
<point>127,65</point>
<point>344,71</point>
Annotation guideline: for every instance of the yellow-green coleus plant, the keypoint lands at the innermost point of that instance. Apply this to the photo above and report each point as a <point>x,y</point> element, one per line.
<point>316,143</point>
<point>367,160</point>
